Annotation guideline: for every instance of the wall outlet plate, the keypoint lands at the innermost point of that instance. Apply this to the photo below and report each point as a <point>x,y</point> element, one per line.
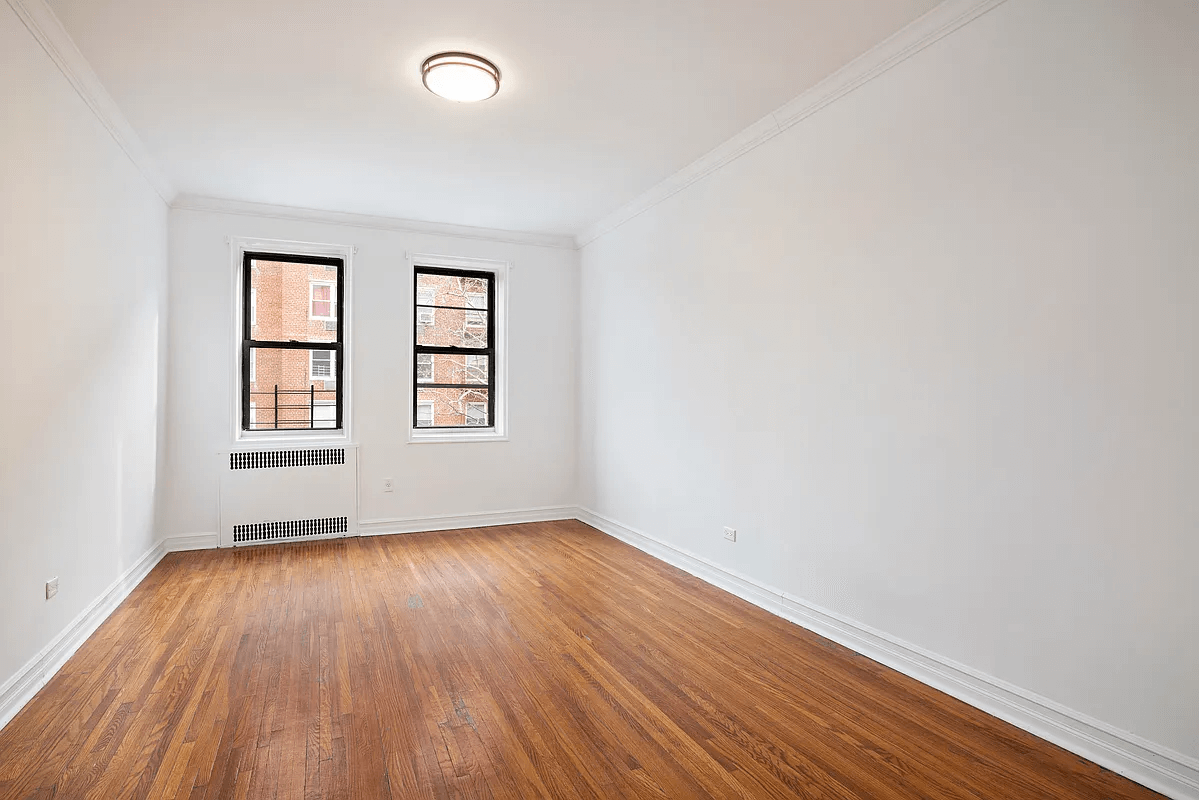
<point>388,484</point>
<point>51,587</point>
<point>730,534</point>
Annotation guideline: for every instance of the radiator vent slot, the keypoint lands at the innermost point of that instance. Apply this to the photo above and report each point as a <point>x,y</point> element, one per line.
<point>271,459</point>
<point>291,529</point>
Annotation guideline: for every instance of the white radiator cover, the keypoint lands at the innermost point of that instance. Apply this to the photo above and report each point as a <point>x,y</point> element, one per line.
<point>288,494</point>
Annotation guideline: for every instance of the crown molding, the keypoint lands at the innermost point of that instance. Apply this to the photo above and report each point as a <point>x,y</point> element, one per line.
<point>58,44</point>
<point>216,205</point>
<point>941,21</point>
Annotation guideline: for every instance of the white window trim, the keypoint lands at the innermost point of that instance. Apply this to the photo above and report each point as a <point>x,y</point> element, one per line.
<point>238,247</point>
<point>253,306</point>
<point>312,284</point>
<point>312,376</point>
<point>498,430</point>
<point>253,366</point>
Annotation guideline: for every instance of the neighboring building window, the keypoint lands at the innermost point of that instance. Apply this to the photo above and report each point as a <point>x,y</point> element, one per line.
<point>324,415</point>
<point>462,337</point>
<point>476,319</point>
<point>321,305</point>
<point>424,415</point>
<point>321,366</point>
<point>475,369</point>
<point>425,299</point>
<point>291,368</point>
<point>424,367</point>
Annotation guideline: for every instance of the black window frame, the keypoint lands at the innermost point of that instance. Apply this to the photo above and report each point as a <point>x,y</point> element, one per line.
<point>338,346</point>
<point>489,350</point>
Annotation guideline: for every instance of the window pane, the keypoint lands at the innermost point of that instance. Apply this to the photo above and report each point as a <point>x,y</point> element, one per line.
<point>301,401</point>
<point>293,301</point>
<point>452,328</point>
<point>451,290</point>
<point>451,408</point>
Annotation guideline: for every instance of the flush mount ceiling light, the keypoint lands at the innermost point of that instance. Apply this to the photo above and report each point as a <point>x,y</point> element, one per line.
<point>461,77</point>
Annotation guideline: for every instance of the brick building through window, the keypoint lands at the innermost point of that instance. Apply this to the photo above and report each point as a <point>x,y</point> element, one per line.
<point>294,302</point>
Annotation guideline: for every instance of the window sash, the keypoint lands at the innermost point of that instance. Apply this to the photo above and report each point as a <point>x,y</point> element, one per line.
<point>487,313</point>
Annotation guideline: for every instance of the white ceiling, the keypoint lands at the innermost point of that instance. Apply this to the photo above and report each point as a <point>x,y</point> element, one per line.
<point>319,104</point>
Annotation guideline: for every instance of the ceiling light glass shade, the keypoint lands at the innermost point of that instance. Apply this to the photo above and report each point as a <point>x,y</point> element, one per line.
<point>460,77</point>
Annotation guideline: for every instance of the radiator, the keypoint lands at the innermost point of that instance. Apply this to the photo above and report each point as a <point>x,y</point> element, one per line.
<point>288,494</point>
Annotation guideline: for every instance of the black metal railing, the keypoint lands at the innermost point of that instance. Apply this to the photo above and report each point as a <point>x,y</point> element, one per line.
<point>294,416</point>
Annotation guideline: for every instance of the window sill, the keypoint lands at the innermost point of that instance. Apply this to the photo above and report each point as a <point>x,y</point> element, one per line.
<point>291,437</point>
<point>484,435</point>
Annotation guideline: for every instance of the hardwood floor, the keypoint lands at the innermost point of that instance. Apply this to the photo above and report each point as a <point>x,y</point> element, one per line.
<point>543,660</point>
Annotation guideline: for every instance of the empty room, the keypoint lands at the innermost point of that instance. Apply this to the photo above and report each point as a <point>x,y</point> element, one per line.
<point>580,399</point>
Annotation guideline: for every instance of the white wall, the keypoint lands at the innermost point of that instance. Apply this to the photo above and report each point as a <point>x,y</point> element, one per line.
<point>934,351</point>
<point>535,468</point>
<point>83,255</point>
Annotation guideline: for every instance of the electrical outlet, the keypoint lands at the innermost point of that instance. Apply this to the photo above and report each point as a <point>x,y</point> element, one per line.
<point>51,587</point>
<point>730,534</point>
<point>388,484</point>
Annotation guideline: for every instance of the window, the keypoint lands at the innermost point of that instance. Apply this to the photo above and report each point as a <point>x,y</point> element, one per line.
<point>425,297</point>
<point>424,415</point>
<point>424,367</point>
<point>321,305</point>
<point>476,319</point>
<point>462,338</point>
<point>291,368</point>
<point>475,369</point>
<point>324,414</point>
<point>321,367</point>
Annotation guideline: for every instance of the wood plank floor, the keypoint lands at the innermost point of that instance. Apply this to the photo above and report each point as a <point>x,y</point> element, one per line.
<point>543,660</point>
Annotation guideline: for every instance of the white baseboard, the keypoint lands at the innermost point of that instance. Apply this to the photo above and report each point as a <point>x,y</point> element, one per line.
<point>191,541</point>
<point>21,687</point>
<point>381,527</point>
<point>1159,768</point>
